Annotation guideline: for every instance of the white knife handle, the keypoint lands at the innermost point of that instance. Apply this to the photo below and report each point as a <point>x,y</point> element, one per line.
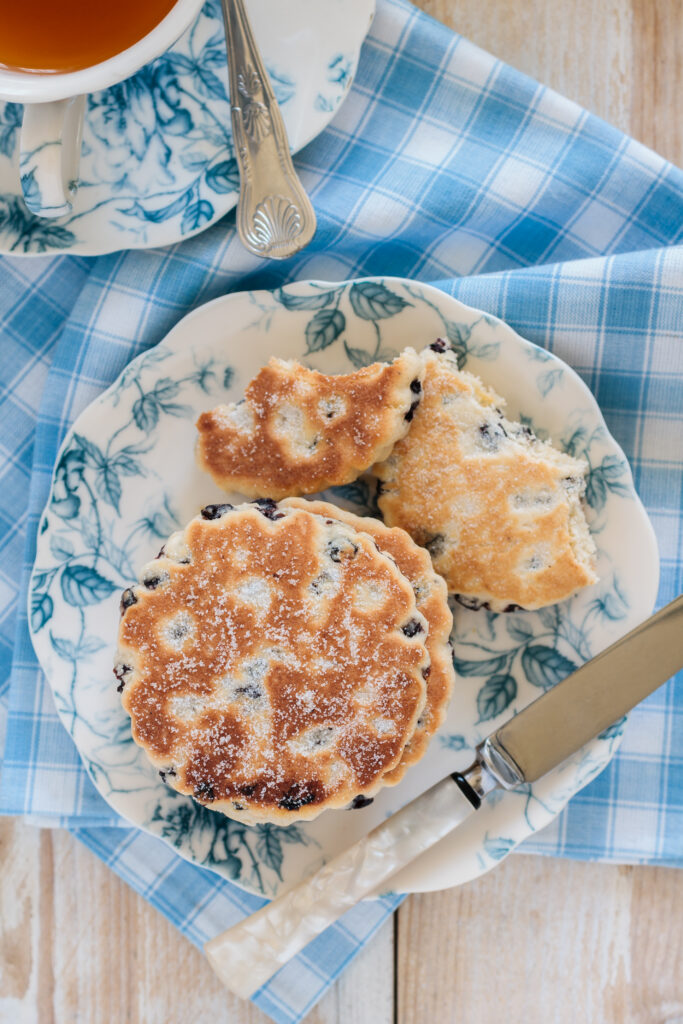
<point>246,956</point>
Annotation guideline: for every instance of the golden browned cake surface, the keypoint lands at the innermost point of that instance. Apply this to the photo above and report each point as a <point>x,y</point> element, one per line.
<point>498,510</point>
<point>272,663</point>
<point>432,602</point>
<point>298,431</point>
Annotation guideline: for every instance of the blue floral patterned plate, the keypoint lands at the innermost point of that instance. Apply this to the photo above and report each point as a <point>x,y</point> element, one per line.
<point>158,161</point>
<point>126,477</point>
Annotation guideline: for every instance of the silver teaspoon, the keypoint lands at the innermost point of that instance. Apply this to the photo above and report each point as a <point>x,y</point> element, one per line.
<point>275,218</point>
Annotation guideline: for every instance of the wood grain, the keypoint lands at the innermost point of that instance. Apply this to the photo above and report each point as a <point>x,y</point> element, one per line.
<point>539,941</point>
<point>546,942</point>
<point>618,58</point>
<point>657,85</point>
<point>77,946</point>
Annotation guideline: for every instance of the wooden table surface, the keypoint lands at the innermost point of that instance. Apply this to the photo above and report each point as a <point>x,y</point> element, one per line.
<point>536,941</point>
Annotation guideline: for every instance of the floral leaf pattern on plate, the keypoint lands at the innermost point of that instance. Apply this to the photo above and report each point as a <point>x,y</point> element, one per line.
<point>608,476</point>
<point>495,696</point>
<point>251,855</point>
<point>372,300</point>
<point>547,381</point>
<point>318,300</point>
<point>544,666</point>
<point>323,329</point>
<point>223,177</point>
<point>41,610</point>
<point>453,741</point>
<point>82,585</point>
<point>22,232</point>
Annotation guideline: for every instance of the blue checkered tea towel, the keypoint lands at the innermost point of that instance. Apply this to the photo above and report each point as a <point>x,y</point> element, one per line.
<point>446,166</point>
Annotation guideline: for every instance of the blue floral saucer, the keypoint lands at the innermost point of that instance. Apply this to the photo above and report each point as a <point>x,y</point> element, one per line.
<point>157,162</point>
<point>126,477</point>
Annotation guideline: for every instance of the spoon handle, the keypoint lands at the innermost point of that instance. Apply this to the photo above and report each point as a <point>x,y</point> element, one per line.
<point>275,218</point>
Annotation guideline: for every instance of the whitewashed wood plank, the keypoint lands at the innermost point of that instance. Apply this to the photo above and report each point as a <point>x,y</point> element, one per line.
<point>20,916</point>
<point>78,945</point>
<point>545,942</point>
<point>365,992</point>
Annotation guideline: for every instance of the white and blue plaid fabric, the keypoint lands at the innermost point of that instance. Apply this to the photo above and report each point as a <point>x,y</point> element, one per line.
<point>446,166</point>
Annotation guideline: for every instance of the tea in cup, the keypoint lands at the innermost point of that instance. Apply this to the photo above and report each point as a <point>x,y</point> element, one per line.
<point>52,56</point>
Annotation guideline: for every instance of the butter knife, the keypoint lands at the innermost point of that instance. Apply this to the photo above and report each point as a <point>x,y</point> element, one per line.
<point>524,749</point>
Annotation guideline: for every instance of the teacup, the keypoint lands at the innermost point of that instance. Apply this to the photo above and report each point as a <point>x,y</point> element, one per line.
<point>54,105</point>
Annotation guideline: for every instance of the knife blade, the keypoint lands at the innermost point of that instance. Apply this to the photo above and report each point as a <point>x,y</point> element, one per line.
<point>556,725</point>
<point>525,748</point>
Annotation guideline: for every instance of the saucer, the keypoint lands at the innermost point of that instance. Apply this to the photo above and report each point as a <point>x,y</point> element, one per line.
<point>157,162</point>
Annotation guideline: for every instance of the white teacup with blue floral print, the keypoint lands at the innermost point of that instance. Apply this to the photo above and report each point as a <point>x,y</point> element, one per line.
<point>54,105</point>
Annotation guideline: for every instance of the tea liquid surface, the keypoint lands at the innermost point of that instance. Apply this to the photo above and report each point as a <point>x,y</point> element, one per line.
<point>47,35</point>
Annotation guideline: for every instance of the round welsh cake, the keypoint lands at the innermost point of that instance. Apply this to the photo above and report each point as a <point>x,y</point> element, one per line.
<point>432,601</point>
<point>272,663</point>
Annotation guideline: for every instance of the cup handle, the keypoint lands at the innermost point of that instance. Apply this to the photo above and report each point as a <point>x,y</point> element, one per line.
<point>50,152</point>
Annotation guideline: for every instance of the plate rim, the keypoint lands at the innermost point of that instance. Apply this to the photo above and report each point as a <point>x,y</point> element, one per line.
<point>649,535</point>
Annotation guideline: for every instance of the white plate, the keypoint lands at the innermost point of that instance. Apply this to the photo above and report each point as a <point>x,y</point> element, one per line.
<point>126,478</point>
<point>158,162</point>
